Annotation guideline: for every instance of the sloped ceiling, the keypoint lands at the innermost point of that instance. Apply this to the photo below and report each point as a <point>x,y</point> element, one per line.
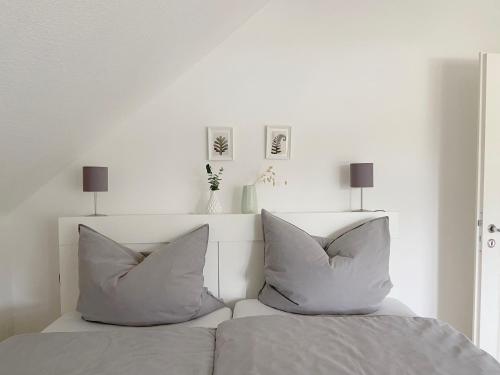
<point>70,70</point>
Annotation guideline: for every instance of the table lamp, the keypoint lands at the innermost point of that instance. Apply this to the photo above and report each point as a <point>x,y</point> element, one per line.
<point>361,177</point>
<point>95,179</point>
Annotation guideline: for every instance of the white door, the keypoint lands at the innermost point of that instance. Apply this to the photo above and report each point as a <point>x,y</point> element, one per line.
<point>487,304</point>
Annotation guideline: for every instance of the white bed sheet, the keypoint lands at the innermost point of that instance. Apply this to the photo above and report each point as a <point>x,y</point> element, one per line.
<point>73,322</point>
<point>253,307</point>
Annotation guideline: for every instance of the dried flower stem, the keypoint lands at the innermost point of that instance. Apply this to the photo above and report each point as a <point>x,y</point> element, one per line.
<point>269,176</point>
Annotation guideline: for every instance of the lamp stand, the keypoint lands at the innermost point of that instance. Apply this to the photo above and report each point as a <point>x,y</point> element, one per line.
<point>362,208</point>
<point>95,206</point>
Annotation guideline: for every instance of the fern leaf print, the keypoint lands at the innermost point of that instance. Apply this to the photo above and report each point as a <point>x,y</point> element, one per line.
<point>220,145</point>
<point>276,144</point>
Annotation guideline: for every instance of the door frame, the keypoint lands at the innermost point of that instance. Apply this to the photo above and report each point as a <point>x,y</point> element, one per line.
<point>479,200</point>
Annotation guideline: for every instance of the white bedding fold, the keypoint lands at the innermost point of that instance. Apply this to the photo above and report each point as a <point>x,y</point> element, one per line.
<point>73,322</point>
<point>253,307</point>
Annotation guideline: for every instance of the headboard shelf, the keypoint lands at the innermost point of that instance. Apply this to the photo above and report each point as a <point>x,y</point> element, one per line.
<point>233,267</point>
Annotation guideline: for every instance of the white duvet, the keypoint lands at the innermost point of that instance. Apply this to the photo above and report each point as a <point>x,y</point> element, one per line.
<point>253,307</point>
<point>73,322</point>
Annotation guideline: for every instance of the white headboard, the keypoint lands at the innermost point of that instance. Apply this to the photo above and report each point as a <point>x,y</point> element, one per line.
<point>235,254</point>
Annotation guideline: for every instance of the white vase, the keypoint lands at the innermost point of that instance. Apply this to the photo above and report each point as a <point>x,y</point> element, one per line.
<point>214,206</point>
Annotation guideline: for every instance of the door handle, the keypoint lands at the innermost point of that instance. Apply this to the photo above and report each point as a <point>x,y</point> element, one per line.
<point>493,228</point>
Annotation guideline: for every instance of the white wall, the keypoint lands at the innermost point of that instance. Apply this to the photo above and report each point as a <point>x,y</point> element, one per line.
<point>6,300</point>
<point>71,69</point>
<point>382,81</point>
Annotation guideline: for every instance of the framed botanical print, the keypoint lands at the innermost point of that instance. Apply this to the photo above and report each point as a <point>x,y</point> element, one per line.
<point>220,143</point>
<point>278,142</point>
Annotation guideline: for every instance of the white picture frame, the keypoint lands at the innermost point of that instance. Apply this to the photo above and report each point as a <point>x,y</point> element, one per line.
<point>278,142</point>
<point>220,143</point>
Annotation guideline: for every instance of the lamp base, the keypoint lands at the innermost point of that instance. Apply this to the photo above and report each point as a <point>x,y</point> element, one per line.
<point>95,206</point>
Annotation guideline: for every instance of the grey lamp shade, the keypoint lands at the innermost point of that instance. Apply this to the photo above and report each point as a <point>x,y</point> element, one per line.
<point>95,179</point>
<point>362,175</point>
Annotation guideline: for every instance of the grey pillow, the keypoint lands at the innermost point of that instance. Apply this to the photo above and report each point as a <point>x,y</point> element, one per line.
<point>314,275</point>
<point>124,287</point>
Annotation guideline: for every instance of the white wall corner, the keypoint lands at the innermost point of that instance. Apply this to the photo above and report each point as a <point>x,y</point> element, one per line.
<point>6,297</point>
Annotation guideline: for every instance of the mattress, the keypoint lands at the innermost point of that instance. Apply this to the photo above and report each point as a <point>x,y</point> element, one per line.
<point>253,307</point>
<point>73,322</point>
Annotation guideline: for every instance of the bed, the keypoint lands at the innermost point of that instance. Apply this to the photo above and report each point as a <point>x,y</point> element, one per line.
<point>347,345</point>
<point>259,339</point>
<point>392,340</point>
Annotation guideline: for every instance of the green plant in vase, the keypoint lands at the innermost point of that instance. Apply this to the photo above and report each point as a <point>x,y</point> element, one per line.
<point>214,181</point>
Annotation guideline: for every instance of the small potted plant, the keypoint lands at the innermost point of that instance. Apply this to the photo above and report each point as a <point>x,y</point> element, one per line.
<point>214,181</point>
<point>249,197</point>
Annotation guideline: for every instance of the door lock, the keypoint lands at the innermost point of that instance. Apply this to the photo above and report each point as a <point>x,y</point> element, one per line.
<point>493,228</point>
<point>491,243</point>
